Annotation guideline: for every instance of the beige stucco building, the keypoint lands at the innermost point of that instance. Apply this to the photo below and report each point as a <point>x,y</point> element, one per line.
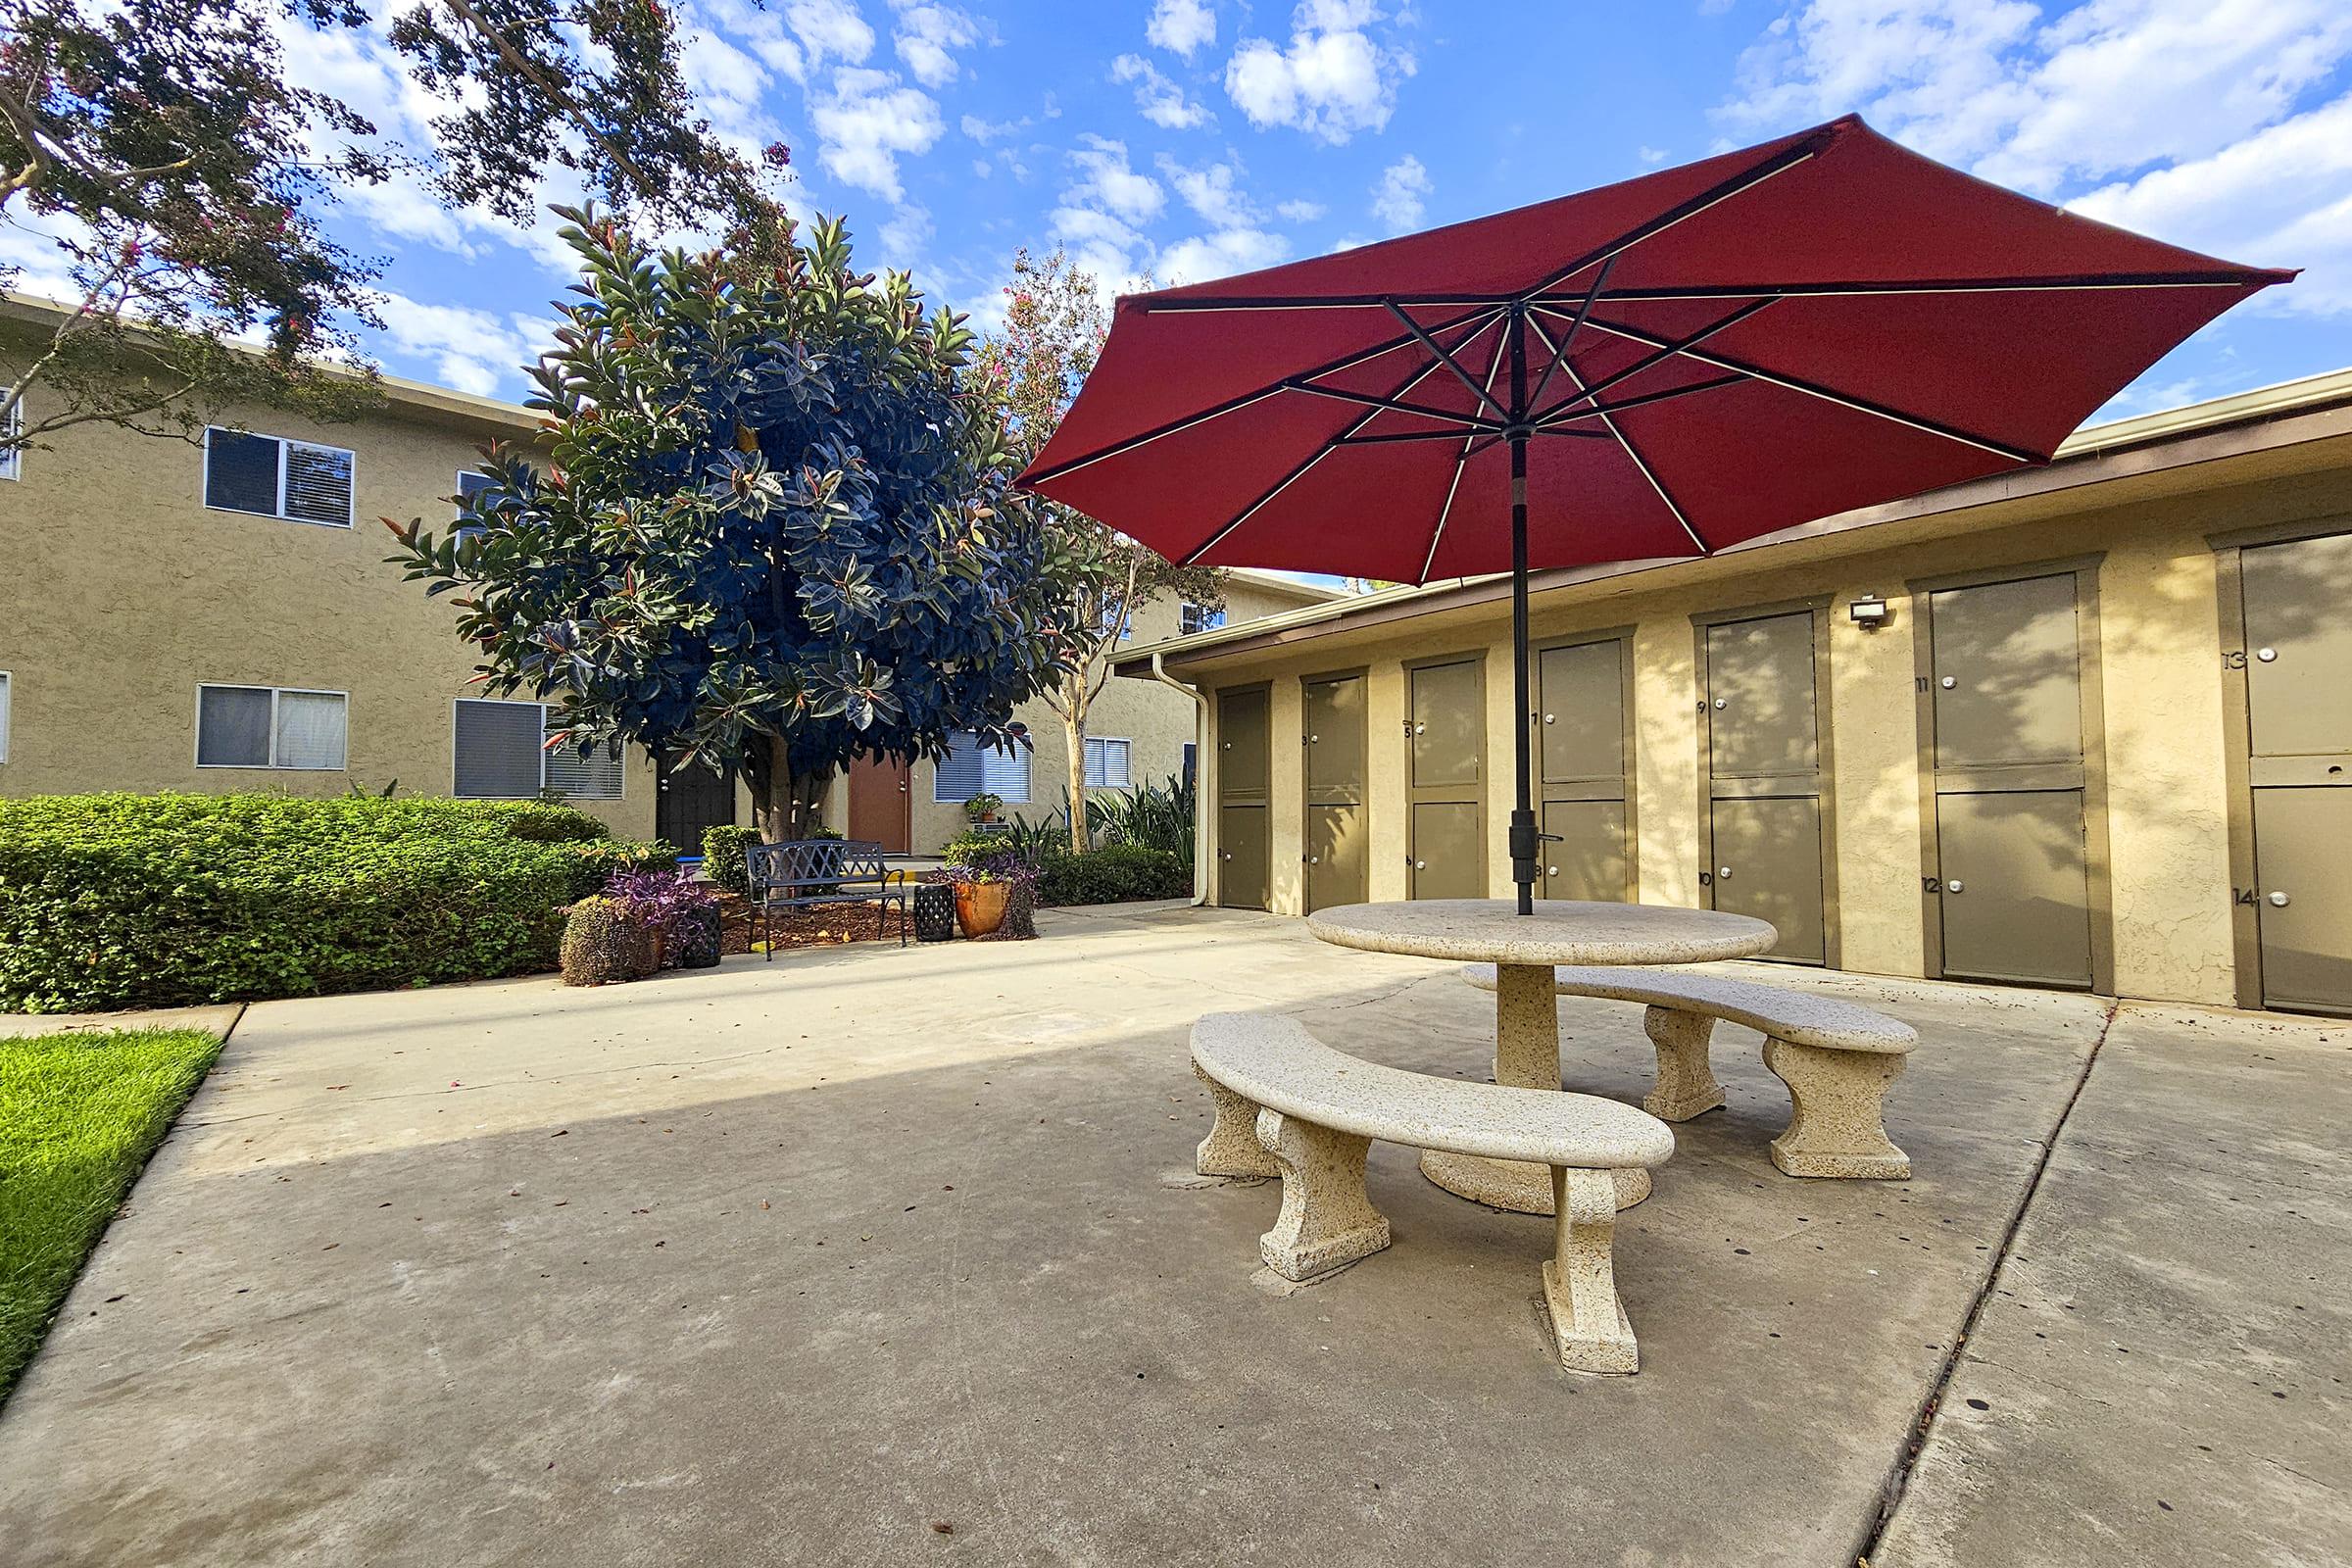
<point>221,615</point>
<point>2085,725</point>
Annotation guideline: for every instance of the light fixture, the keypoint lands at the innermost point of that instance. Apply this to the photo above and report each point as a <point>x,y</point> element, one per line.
<point>1869,612</point>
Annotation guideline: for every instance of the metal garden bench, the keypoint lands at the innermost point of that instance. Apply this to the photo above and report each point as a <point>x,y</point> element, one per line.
<point>804,872</point>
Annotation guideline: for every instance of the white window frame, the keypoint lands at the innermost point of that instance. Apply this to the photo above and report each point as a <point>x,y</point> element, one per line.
<point>276,692</point>
<point>1209,620</point>
<point>1018,755</point>
<point>205,487</point>
<point>1106,743</point>
<point>508,702</point>
<point>8,694</point>
<point>12,458</point>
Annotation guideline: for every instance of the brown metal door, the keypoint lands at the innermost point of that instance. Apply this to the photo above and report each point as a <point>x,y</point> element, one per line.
<point>1583,851</point>
<point>1336,866</point>
<point>1580,757</point>
<point>1447,740</point>
<point>1768,864</point>
<point>1243,836</point>
<point>2010,892</point>
<point>1764,750</point>
<point>878,803</point>
<point>2015,893</point>
<point>2298,662</point>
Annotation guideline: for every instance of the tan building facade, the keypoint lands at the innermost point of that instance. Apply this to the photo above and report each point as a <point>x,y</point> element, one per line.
<point>2085,726</point>
<point>220,616</point>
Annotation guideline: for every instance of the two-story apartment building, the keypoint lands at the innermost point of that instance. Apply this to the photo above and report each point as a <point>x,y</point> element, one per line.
<point>221,615</point>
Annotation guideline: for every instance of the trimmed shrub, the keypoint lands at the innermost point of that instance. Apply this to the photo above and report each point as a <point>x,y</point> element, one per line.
<point>722,857</point>
<point>114,900</point>
<point>596,861</point>
<point>604,942</point>
<point>1113,874</point>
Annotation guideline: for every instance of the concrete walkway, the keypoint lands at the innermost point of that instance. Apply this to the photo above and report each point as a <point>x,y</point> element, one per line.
<point>870,1256</point>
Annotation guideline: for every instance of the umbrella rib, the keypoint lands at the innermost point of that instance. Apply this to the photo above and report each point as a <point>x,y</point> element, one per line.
<point>1593,392</point>
<point>1330,446</point>
<point>1479,392</point>
<point>1642,463</point>
<point>1560,355</point>
<point>2070,283</point>
<point>1391,404</point>
<point>1642,400</point>
<point>1346,361</point>
<point>1841,398</point>
<point>1461,460</point>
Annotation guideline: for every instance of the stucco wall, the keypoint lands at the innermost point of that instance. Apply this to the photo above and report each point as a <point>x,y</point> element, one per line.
<point>2169,801</point>
<point>124,593</point>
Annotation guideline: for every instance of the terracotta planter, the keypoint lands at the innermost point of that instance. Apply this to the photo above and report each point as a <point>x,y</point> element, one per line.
<point>980,906</point>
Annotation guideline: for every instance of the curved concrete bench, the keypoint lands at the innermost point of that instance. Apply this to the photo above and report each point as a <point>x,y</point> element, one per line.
<point>1836,1058</point>
<point>1289,1105</point>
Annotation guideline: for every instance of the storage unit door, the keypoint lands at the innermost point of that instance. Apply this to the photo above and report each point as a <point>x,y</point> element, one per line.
<point>1242,864</point>
<point>1768,864</point>
<point>1449,856</point>
<point>2299,725</point>
<point>2303,891</point>
<point>2008,677</point>
<point>1337,867</point>
<point>2015,894</point>
<point>1580,726</point>
<point>1445,783</point>
<point>1761,706</point>
<point>1588,860</point>
<point>1242,755</point>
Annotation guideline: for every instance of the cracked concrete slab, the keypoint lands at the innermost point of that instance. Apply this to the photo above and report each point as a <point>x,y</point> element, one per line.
<point>797,1262</point>
<point>2159,1375</point>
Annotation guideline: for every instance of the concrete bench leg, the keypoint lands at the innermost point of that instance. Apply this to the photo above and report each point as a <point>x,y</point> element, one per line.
<point>1231,1147</point>
<point>1687,1084</point>
<point>1327,1218</point>
<point>1579,1279</point>
<point>1838,1128</point>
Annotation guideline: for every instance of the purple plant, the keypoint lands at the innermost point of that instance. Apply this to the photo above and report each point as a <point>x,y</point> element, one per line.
<point>1008,865</point>
<point>658,900</point>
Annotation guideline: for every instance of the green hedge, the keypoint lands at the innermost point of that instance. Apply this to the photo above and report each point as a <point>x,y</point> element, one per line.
<point>112,901</point>
<point>1113,874</point>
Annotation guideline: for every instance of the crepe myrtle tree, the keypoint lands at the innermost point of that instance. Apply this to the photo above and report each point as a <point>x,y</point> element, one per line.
<point>1054,325</point>
<point>769,527</point>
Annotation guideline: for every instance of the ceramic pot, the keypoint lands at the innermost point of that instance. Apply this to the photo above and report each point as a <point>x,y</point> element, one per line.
<point>980,906</point>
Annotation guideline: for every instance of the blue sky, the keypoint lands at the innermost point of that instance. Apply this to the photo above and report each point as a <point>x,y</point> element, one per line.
<point>1193,138</point>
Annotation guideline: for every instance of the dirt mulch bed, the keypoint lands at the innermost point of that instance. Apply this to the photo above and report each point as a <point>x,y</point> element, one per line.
<point>827,925</point>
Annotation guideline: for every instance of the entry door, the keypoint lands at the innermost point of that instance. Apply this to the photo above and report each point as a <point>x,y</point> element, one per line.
<point>1243,837</point>
<point>2010,886</point>
<point>1337,865</point>
<point>688,799</point>
<point>1446,743</point>
<point>1580,757</point>
<point>2299,742</point>
<point>1764,773</point>
<point>879,801</point>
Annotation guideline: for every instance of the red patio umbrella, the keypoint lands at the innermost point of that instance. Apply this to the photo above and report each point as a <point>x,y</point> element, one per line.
<point>1655,369</point>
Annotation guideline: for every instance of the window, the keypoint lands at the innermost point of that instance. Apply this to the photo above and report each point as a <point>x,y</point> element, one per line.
<point>269,726</point>
<point>11,429</point>
<point>1192,761</point>
<point>503,754</point>
<point>1107,764</point>
<point>4,691</point>
<point>1191,617</point>
<point>469,482</point>
<point>971,769</point>
<point>1121,616</point>
<point>272,478</point>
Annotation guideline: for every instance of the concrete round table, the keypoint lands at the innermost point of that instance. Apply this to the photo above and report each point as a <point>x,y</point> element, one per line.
<point>1524,948</point>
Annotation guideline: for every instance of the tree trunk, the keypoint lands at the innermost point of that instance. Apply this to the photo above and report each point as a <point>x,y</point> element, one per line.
<point>787,807</point>
<point>1074,731</point>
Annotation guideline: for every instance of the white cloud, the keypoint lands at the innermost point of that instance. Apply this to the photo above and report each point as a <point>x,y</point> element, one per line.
<point>1181,27</point>
<point>867,122</point>
<point>1333,81</point>
<point>2197,118</point>
<point>468,349</point>
<point>828,29</point>
<point>985,131</point>
<point>1110,183</point>
<point>1401,197</point>
<point>1651,156</point>
<point>926,35</point>
<point>1220,254</point>
<point>1301,211</point>
<point>903,236</point>
<point>1214,192</point>
<point>1159,99</point>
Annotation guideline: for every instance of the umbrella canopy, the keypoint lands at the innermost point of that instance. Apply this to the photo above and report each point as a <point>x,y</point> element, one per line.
<point>1661,367</point>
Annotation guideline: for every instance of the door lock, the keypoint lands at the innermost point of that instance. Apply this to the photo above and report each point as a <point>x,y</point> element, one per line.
<point>2266,655</point>
<point>1551,870</point>
<point>2280,901</point>
<point>1954,886</point>
<point>1948,682</point>
<point>1420,729</point>
<point>1722,702</point>
<point>1314,860</point>
<point>1547,719</point>
<point>1420,866</point>
<point>1723,873</point>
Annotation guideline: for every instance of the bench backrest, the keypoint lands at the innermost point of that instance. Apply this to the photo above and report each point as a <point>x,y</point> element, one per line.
<point>809,865</point>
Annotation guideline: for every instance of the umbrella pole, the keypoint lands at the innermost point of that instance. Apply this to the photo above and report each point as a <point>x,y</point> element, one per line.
<point>1523,839</point>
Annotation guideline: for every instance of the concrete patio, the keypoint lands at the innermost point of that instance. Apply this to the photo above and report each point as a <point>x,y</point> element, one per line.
<point>873,1256</point>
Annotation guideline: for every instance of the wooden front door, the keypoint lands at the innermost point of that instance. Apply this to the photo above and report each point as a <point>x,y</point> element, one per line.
<point>878,803</point>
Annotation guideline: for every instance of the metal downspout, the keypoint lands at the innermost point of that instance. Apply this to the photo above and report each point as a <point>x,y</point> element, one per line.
<point>1199,698</point>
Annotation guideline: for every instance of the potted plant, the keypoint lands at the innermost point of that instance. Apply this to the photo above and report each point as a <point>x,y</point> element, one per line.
<point>983,881</point>
<point>983,808</point>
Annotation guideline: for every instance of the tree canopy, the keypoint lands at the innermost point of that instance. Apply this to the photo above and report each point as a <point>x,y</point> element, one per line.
<point>772,527</point>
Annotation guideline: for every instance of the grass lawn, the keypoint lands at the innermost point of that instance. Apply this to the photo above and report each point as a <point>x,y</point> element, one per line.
<point>80,1114</point>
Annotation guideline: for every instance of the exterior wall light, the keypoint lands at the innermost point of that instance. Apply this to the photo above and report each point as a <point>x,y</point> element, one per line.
<point>1869,612</point>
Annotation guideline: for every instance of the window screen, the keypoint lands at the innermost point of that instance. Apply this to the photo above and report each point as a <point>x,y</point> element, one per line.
<point>240,472</point>
<point>468,483</point>
<point>13,427</point>
<point>593,777</point>
<point>971,769</point>
<point>1107,764</point>
<point>318,484</point>
<point>4,695</point>
<point>232,726</point>
<point>498,749</point>
<point>311,729</point>
<point>277,479</point>
<point>1191,617</point>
